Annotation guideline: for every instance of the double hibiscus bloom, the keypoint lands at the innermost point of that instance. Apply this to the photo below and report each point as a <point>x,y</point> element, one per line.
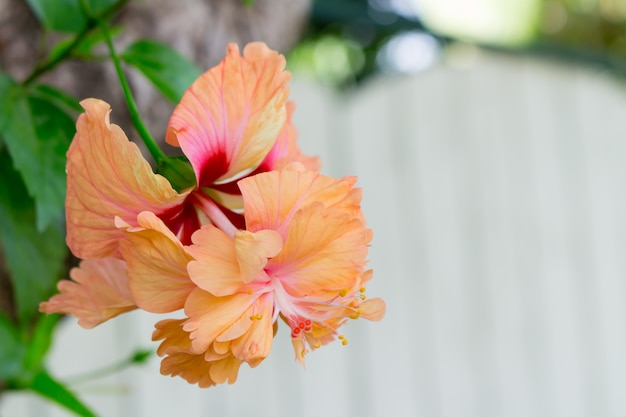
<point>260,235</point>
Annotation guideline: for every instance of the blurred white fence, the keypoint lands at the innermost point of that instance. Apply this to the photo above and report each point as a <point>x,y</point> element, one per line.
<point>497,196</point>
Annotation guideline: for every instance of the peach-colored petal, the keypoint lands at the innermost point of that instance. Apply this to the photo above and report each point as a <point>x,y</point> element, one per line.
<point>209,316</point>
<point>253,249</point>
<point>205,369</point>
<point>229,119</point>
<point>108,177</point>
<point>196,370</point>
<point>157,266</point>
<point>254,346</point>
<point>215,269</point>
<point>373,309</point>
<point>272,198</point>
<point>286,150</point>
<point>225,370</point>
<point>97,293</point>
<point>324,252</point>
<point>175,339</point>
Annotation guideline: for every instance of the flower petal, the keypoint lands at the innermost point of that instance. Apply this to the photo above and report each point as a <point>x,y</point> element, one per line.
<point>254,346</point>
<point>373,309</point>
<point>97,293</point>
<point>108,177</point>
<point>324,252</point>
<point>175,339</point>
<point>272,198</point>
<point>196,370</point>
<point>286,150</point>
<point>157,266</point>
<point>215,269</point>
<point>209,316</point>
<point>228,120</point>
<point>253,249</point>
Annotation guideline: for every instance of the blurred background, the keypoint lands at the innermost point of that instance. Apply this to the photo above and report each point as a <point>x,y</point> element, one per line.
<point>489,138</point>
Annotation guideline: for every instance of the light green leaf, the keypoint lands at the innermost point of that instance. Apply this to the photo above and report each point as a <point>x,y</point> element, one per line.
<point>84,49</point>
<point>34,259</point>
<point>11,350</point>
<point>40,341</point>
<point>55,130</point>
<point>48,387</point>
<point>66,15</point>
<point>61,15</point>
<point>170,72</point>
<point>59,98</point>
<point>37,134</point>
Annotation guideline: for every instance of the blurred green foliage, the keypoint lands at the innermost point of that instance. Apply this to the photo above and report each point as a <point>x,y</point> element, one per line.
<point>588,32</point>
<point>36,129</point>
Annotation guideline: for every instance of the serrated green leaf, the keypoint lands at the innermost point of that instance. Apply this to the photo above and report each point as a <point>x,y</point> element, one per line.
<point>40,341</point>
<point>66,15</point>
<point>46,386</point>
<point>34,259</point>
<point>37,134</point>
<point>170,72</point>
<point>11,350</point>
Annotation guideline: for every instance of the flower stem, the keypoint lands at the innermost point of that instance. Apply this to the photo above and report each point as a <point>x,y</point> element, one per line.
<point>153,148</point>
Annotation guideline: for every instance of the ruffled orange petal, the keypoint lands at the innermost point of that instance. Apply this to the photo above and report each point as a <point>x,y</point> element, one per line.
<point>254,345</point>
<point>98,292</point>
<point>215,269</point>
<point>175,339</point>
<point>106,177</point>
<point>223,265</point>
<point>205,369</point>
<point>228,120</point>
<point>209,316</point>
<point>253,249</point>
<point>272,198</point>
<point>157,266</point>
<point>324,252</point>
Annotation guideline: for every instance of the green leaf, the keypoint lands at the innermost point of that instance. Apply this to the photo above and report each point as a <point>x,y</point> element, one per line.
<point>170,72</point>
<point>66,15</point>
<point>57,97</point>
<point>34,259</point>
<point>48,387</point>
<point>84,48</point>
<point>61,15</point>
<point>37,134</point>
<point>11,350</point>
<point>40,341</point>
